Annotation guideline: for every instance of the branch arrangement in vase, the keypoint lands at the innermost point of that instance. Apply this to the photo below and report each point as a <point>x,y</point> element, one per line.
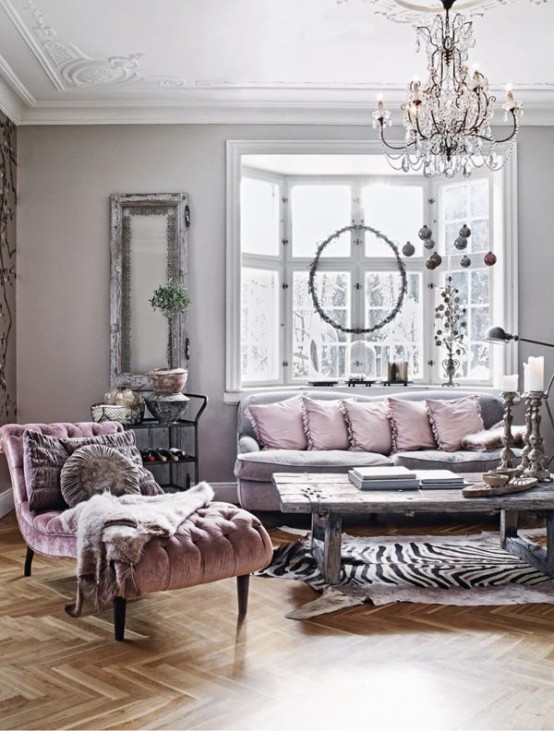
<point>451,316</point>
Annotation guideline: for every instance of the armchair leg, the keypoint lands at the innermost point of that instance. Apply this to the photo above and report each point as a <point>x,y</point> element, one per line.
<point>242,592</point>
<point>119,607</point>
<point>28,561</point>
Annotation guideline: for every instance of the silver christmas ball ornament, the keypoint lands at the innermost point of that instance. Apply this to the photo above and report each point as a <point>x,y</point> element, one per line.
<point>436,257</point>
<point>408,249</point>
<point>460,242</point>
<point>424,233</point>
<point>465,231</point>
<point>429,244</point>
<point>465,261</point>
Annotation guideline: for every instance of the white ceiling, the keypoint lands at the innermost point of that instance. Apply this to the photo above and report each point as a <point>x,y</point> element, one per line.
<point>247,60</point>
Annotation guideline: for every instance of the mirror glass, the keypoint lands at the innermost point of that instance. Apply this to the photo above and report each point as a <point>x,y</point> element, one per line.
<point>148,249</point>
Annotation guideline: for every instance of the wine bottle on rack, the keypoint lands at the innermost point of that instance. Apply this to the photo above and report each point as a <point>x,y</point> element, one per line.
<point>169,455</point>
<point>178,453</point>
<point>153,455</point>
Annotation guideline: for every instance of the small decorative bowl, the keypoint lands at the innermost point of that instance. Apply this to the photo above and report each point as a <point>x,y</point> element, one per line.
<point>495,479</point>
<point>115,412</point>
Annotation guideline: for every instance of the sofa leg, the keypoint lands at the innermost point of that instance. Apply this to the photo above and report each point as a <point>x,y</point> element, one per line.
<point>242,592</point>
<point>119,607</point>
<point>28,561</point>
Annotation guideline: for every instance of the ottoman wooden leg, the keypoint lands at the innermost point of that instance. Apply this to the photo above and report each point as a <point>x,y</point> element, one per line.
<point>28,561</point>
<point>119,607</point>
<point>242,592</point>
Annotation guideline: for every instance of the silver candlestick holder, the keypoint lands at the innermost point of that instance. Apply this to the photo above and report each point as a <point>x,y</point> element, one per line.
<point>534,458</point>
<point>508,459</point>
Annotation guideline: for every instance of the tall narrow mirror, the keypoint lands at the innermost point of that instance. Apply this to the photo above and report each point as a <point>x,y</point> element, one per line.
<point>149,248</point>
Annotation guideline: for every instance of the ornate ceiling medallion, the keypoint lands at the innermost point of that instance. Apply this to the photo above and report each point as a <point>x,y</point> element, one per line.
<point>414,12</point>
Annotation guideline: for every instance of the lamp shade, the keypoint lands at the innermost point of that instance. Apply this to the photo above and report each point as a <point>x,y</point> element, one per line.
<point>499,335</point>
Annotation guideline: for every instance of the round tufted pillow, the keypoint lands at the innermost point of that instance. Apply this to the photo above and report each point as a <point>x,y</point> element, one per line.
<point>96,468</point>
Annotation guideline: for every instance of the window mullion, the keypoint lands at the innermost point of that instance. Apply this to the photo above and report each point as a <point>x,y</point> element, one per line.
<point>285,340</point>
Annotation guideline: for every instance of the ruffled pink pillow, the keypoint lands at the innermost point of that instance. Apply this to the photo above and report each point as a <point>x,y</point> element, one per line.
<point>410,425</point>
<point>279,425</point>
<point>324,424</point>
<point>451,421</point>
<point>368,426</point>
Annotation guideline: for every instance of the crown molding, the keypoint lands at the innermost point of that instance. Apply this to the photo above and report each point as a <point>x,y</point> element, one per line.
<point>10,102</point>
<point>342,109</point>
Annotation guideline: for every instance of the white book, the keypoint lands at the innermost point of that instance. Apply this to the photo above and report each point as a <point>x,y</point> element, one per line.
<point>383,473</point>
<point>443,485</point>
<point>395,484</point>
<point>438,476</point>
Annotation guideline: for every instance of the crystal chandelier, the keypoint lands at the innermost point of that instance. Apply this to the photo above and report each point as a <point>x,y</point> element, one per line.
<point>447,122</point>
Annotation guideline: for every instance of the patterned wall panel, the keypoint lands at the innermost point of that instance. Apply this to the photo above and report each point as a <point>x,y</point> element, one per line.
<point>8,409</point>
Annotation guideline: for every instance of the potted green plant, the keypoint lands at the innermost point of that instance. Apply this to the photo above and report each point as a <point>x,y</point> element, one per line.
<point>168,401</point>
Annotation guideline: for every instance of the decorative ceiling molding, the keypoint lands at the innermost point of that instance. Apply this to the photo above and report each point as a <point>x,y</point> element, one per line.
<point>413,12</point>
<point>73,68</point>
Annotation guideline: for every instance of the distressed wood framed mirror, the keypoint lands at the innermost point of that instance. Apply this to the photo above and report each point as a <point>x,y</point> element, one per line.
<point>149,248</point>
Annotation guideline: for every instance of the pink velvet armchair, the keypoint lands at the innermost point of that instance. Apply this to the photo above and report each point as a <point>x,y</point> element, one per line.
<point>217,542</point>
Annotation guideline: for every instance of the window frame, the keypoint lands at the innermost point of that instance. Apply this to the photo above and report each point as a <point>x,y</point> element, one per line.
<point>503,212</point>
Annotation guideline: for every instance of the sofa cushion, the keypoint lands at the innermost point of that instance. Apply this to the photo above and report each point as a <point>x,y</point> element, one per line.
<point>452,420</point>
<point>368,426</point>
<point>324,424</point>
<point>44,456</point>
<point>261,466</point>
<point>410,425</point>
<point>279,425</point>
<point>433,459</point>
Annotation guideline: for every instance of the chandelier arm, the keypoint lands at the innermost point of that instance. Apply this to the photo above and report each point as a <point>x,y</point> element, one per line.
<point>420,131</point>
<point>401,148</point>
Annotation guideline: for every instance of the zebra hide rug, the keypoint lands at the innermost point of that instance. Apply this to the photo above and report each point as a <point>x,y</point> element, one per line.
<point>456,570</point>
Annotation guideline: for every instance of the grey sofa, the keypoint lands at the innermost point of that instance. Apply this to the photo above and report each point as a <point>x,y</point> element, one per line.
<point>254,467</point>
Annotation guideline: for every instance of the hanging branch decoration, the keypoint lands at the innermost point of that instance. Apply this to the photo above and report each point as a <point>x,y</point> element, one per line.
<point>7,258</point>
<point>314,267</point>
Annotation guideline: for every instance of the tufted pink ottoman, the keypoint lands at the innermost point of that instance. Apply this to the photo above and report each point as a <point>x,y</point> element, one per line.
<point>217,542</point>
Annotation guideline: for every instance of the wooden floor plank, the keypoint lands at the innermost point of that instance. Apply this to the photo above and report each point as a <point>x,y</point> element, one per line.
<point>189,663</point>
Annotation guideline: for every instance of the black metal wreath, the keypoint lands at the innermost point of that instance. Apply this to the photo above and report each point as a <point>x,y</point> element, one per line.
<point>401,268</point>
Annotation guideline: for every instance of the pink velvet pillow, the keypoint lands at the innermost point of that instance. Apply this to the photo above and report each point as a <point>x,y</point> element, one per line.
<point>368,426</point>
<point>324,424</point>
<point>452,420</point>
<point>410,425</point>
<point>279,425</point>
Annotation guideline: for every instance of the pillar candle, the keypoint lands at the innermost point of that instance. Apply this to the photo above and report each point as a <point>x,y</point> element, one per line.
<point>526,377</point>
<point>536,373</point>
<point>509,383</point>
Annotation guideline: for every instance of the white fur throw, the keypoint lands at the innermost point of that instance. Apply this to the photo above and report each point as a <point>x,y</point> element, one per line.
<point>111,528</point>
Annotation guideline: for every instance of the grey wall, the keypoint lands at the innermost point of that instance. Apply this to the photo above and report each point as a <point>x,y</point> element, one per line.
<point>65,177</point>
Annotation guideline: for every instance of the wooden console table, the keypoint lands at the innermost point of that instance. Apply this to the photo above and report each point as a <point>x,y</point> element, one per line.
<point>331,497</point>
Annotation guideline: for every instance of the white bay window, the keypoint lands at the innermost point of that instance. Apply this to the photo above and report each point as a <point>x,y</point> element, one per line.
<point>282,206</point>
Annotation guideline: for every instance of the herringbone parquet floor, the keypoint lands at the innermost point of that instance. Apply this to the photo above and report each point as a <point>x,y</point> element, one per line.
<point>187,664</point>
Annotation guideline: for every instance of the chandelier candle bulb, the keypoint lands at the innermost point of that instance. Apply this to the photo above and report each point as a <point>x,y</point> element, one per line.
<point>536,373</point>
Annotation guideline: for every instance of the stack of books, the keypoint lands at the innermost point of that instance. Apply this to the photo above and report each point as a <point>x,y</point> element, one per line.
<point>383,478</point>
<point>440,480</point>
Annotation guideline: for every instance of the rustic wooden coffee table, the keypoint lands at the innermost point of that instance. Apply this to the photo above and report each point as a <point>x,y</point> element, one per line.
<point>330,497</point>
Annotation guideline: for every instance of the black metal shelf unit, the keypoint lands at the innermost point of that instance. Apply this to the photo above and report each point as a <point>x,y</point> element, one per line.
<point>152,434</point>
